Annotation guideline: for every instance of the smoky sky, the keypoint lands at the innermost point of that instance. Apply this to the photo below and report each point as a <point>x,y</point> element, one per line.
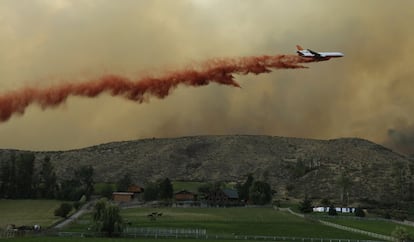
<point>365,94</point>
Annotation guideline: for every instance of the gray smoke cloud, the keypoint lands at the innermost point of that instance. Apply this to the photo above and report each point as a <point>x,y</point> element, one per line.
<point>364,94</point>
<point>401,140</point>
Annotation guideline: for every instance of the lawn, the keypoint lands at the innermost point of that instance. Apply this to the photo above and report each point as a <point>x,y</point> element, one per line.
<point>228,221</point>
<point>376,226</point>
<point>28,212</point>
<point>189,186</point>
<point>99,187</point>
<point>68,239</point>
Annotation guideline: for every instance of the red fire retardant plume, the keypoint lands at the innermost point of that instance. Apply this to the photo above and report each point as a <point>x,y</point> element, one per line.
<point>216,70</point>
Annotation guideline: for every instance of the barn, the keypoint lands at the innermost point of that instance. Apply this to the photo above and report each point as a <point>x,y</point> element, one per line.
<point>122,196</point>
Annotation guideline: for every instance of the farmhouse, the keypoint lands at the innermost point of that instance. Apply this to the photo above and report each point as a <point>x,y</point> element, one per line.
<point>122,196</point>
<point>135,189</point>
<point>184,195</point>
<point>223,197</point>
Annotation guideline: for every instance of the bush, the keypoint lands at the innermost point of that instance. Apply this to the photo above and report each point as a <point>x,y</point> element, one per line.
<point>76,205</point>
<point>306,206</point>
<point>359,212</point>
<point>332,211</point>
<point>63,210</point>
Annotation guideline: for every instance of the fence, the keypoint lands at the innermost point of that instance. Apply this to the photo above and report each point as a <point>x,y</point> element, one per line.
<point>176,233</point>
<point>374,235</point>
<point>334,225</point>
<point>167,235</point>
<point>15,233</point>
<point>405,222</point>
<point>166,231</point>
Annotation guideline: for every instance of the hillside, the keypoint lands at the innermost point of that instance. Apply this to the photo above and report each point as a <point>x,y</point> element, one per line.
<point>293,166</point>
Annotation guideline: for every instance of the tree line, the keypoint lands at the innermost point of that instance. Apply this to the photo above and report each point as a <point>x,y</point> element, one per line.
<point>20,179</point>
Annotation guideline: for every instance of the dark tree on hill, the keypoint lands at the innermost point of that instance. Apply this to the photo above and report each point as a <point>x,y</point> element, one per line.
<point>107,218</point>
<point>70,190</point>
<point>244,189</point>
<point>48,179</point>
<point>166,189</point>
<point>24,175</point>
<point>85,175</point>
<point>260,193</point>
<point>344,183</point>
<point>306,205</point>
<point>63,210</point>
<point>325,202</point>
<point>8,178</point>
<point>124,182</point>
<point>151,192</point>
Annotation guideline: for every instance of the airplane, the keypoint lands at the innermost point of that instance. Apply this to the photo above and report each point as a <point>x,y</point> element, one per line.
<point>320,56</point>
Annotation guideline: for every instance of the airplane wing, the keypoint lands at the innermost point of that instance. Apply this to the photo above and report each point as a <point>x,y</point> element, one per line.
<point>315,53</point>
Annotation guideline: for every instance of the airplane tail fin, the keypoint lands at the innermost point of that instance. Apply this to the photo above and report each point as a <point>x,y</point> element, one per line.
<point>299,47</point>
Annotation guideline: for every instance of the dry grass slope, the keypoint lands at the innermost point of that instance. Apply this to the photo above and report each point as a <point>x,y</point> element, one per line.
<point>291,165</point>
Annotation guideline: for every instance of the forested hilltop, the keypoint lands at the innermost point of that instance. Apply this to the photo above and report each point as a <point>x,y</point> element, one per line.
<point>341,169</point>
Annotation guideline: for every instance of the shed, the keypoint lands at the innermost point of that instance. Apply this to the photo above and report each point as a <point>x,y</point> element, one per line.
<point>184,195</point>
<point>135,188</point>
<point>122,196</point>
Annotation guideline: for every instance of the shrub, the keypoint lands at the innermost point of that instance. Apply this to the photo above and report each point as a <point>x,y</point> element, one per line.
<point>63,210</point>
<point>306,206</point>
<point>332,211</point>
<point>76,205</point>
<point>359,212</point>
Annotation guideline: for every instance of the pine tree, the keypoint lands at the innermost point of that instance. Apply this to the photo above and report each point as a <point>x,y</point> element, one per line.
<point>166,189</point>
<point>85,175</point>
<point>260,193</point>
<point>24,175</point>
<point>244,189</point>
<point>48,179</point>
<point>306,205</point>
<point>8,177</point>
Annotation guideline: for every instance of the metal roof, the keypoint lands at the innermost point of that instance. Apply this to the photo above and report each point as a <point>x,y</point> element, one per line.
<point>231,193</point>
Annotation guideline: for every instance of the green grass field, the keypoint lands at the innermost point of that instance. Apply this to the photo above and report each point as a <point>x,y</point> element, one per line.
<point>376,226</point>
<point>189,186</point>
<point>28,212</point>
<point>66,239</point>
<point>217,221</point>
<point>99,187</point>
<point>228,221</point>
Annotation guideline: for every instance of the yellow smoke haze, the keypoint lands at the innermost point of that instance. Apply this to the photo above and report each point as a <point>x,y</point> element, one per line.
<point>365,94</point>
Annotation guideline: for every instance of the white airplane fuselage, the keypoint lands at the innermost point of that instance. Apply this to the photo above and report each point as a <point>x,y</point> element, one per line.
<point>317,55</point>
